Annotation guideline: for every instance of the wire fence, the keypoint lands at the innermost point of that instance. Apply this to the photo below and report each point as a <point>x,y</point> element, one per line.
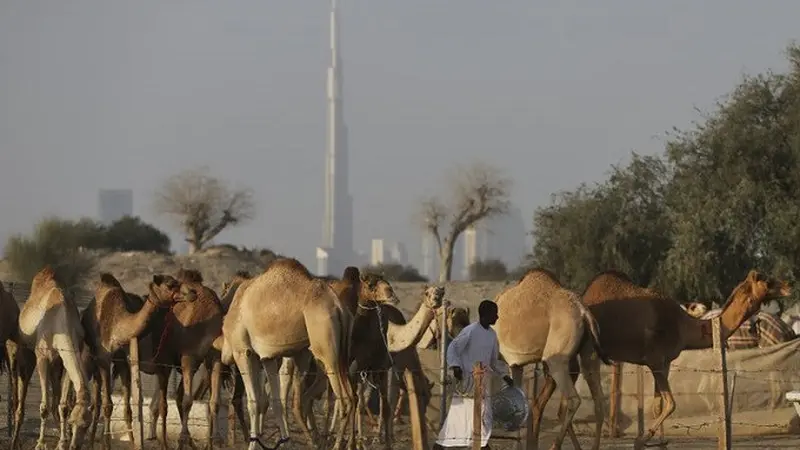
<point>755,404</point>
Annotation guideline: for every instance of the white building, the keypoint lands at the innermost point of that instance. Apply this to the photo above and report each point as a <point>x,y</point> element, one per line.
<point>384,252</point>
<point>500,237</point>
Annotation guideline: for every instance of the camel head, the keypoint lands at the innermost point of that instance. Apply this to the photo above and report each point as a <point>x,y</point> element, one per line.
<point>166,290</point>
<point>238,278</point>
<point>457,320</point>
<point>756,289</point>
<point>696,309</point>
<point>433,297</point>
<point>374,287</point>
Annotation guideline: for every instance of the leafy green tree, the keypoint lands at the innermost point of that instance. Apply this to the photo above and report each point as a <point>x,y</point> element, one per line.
<point>488,270</point>
<point>395,272</point>
<point>734,204</point>
<point>132,234</point>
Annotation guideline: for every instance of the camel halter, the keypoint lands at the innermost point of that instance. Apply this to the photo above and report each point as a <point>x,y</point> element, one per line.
<point>363,373</point>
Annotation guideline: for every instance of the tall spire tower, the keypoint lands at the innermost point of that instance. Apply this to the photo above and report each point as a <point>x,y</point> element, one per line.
<point>336,251</point>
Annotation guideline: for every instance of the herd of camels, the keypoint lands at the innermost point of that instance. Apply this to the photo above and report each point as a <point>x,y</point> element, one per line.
<point>332,337</point>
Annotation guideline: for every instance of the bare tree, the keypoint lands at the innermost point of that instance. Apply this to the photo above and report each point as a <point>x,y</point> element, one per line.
<point>477,192</point>
<point>203,205</point>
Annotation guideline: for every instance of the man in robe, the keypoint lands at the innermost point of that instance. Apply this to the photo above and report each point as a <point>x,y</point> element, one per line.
<point>476,343</point>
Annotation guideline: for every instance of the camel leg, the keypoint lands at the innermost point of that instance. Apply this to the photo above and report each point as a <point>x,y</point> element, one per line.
<point>62,387</point>
<point>590,367</point>
<point>251,377</point>
<point>80,416</point>
<point>26,362</point>
<point>385,407</point>
<point>187,368</point>
<point>97,399</point>
<point>271,367</point>
<point>125,377</point>
<point>546,391</point>
<point>163,384</point>
<point>661,376</point>
<point>215,380</point>
<point>155,405</point>
<point>105,381</point>
<point>574,370</point>
<point>559,368</point>
<point>236,400</point>
<point>287,376</point>
<point>303,399</point>
<point>43,367</point>
<point>397,415</point>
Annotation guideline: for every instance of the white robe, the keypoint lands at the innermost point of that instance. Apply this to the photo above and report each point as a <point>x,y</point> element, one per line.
<point>474,344</point>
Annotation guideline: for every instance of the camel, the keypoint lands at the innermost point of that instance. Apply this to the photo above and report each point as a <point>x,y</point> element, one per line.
<point>109,327</point>
<point>761,330</point>
<point>280,313</point>
<point>353,288</point>
<point>49,325</point>
<point>183,337</point>
<point>657,329</point>
<point>457,320</point>
<point>541,321</point>
<point>377,338</point>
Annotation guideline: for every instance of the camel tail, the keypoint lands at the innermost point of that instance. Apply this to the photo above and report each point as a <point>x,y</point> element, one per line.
<point>594,332</point>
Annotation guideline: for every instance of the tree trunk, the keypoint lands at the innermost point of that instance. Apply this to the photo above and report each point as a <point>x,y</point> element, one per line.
<point>446,260</point>
<point>195,242</point>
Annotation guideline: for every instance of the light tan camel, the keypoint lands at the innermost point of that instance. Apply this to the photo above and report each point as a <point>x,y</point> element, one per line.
<point>695,309</point>
<point>183,338</point>
<point>657,329</point>
<point>49,325</point>
<point>109,327</point>
<point>352,288</point>
<point>541,321</point>
<point>279,313</point>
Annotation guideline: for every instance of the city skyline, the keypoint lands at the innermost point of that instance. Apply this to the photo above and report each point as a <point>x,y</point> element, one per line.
<point>111,94</point>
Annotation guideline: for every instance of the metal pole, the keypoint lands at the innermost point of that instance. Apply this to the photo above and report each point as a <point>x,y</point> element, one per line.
<point>443,366</point>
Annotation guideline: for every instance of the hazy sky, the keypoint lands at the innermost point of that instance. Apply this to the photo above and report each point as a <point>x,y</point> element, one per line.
<point>108,94</point>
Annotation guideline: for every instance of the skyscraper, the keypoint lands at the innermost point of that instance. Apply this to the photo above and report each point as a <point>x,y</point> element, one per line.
<point>336,251</point>
<point>113,204</point>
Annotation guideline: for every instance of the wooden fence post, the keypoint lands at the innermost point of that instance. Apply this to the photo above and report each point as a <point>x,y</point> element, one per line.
<point>477,412</point>
<point>443,366</point>
<point>136,394</point>
<point>724,441</point>
<point>616,382</point>
<point>640,399</point>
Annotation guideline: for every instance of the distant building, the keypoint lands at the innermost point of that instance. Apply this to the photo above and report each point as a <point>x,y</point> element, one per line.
<point>430,257</point>
<point>114,204</point>
<point>398,253</point>
<point>385,253</point>
<point>500,237</point>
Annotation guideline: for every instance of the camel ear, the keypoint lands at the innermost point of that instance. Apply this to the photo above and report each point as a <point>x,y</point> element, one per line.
<point>752,276</point>
<point>158,279</point>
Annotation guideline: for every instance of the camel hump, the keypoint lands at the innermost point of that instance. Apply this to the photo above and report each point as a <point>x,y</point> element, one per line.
<point>540,272</point>
<point>289,265</point>
<point>351,274</point>
<point>189,276</point>
<point>108,280</point>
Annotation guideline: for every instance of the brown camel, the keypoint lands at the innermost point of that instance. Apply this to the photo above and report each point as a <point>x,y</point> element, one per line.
<point>457,320</point>
<point>280,313</point>
<point>374,353</point>
<point>182,337</point>
<point>109,326</point>
<point>380,332</point>
<point>49,325</point>
<point>657,329</point>
<point>556,327</point>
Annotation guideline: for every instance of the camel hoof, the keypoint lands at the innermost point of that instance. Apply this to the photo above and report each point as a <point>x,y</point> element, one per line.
<point>660,443</point>
<point>41,446</point>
